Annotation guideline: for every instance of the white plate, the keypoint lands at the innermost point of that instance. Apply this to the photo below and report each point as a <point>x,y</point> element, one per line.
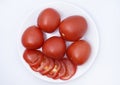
<point>65,10</point>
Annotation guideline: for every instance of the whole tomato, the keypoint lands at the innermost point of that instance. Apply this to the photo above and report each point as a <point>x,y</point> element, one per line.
<point>72,28</point>
<point>48,20</point>
<point>54,47</point>
<point>32,38</point>
<point>79,52</point>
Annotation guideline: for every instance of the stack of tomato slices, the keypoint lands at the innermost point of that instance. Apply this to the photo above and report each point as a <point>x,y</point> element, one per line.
<point>57,69</point>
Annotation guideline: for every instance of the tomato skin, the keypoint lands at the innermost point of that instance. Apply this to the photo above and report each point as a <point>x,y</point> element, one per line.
<point>48,20</point>
<point>73,28</point>
<point>32,38</point>
<point>54,47</point>
<point>79,52</point>
<point>70,69</point>
<point>33,57</point>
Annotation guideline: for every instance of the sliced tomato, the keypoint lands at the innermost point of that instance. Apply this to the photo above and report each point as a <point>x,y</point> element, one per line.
<point>54,72</point>
<point>44,63</point>
<point>48,67</point>
<point>62,71</point>
<point>70,69</point>
<point>38,62</point>
<point>33,57</point>
<point>34,67</point>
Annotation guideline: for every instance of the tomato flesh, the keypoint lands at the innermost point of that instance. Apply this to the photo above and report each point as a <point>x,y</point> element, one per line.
<point>54,72</point>
<point>37,63</point>
<point>32,56</point>
<point>44,63</point>
<point>70,69</point>
<point>48,67</point>
<point>62,71</point>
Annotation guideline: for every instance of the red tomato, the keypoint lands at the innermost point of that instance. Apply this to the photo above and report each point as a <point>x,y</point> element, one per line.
<point>54,72</point>
<point>70,69</point>
<point>79,52</point>
<point>49,20</point>
<point>73,28</point>
<point>37,63</point>
<point>62,71</point>
<point>54,47</point>
<point>44,63</point>
<point>48,68</point>
<point>33,57</point>
<point>32,38</point>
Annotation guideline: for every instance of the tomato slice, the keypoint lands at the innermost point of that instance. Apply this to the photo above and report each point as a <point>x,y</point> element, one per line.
<point>36,65</point>
<point>48,67</point>
<point>54,72</point>
<point>62,71</point>
<point>38,62</point>
<point>70,69</point>
<point>32,57</point>
<point>44,63</point>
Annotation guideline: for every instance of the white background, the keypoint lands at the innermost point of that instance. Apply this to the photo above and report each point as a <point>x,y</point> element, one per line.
<point>106,68</point>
